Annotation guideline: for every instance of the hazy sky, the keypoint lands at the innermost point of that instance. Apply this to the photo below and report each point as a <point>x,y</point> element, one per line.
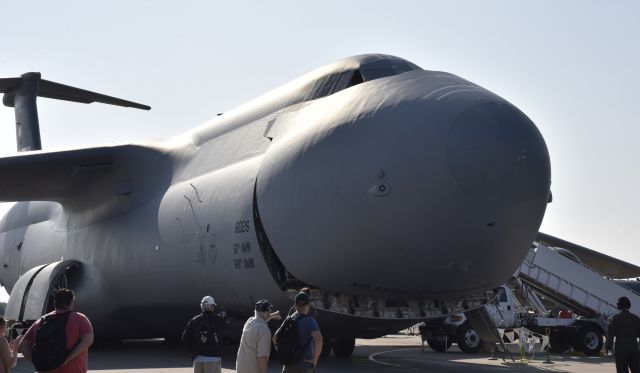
<point>571,66</point>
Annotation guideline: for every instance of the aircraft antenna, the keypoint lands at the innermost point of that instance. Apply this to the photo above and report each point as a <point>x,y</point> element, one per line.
<point>21,93</point>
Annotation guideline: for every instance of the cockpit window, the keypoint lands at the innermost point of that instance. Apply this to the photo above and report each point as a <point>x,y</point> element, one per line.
<point>333,83</point>
<point>336,82</point>
<point>383,68</point>
<point>328,85</point>
<point>356,79</point>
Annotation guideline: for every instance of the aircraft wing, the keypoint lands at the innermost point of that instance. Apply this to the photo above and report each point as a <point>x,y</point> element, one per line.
<point>605,264</point>
<point>83,177</point>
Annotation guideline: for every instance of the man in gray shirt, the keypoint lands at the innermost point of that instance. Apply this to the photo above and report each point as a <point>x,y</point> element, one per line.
<point>255,343</point>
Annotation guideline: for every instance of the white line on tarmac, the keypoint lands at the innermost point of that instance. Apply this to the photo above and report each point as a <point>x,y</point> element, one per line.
<point>372,357</point>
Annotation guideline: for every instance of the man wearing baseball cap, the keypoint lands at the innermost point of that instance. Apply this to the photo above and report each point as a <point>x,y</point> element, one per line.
<point>203,339</point>
<point>309,336</point>
<point>255,343</point>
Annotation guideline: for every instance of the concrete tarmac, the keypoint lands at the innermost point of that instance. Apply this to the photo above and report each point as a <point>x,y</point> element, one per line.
<point>395,353</point>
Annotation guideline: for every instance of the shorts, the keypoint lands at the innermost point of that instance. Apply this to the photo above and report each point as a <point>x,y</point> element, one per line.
<point>215,367</point>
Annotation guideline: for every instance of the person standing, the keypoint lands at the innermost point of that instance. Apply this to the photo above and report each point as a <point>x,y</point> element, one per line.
<point>625,329</point>
<point>255,343</point>
<point>203,339</point>
<point>309,338</point>
<point>8,353</point>
<point>78,330</point>
<point>312,310</point>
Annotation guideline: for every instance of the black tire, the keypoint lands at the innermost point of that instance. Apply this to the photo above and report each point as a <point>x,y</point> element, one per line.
<point>556,346</point>
<point>343,347</point>
<point>437,344</point>
<point>327,345</point>
<point>589,340</point>
<point>468,339</point>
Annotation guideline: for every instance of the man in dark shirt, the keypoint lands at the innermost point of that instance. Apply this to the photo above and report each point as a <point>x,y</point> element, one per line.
<point>625,329</point>
<point>203,339</point>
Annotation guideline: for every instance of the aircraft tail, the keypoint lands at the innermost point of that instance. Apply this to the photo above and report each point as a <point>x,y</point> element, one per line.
<point>21,93</point>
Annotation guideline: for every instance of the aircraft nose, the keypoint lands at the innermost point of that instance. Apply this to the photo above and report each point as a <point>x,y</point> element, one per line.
<point>416,198</point>
<point>496,154</point>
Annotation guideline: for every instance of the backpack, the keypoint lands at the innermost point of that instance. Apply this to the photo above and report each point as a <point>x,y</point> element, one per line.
<point>50,346</point>
<point>290,351</point>
<point>204,338</point>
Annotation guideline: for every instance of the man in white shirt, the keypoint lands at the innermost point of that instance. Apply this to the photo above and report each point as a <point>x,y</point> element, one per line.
<point>255,343</point>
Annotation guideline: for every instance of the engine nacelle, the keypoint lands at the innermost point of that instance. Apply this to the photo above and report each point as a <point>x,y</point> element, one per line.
<point>32,295</point>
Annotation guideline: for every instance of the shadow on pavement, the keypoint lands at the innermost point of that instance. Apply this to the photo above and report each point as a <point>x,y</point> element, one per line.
<point>388,354</point>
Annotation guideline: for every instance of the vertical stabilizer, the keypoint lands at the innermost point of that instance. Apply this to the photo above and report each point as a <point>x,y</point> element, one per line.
<point>21,94</point>
<point>22,97</point>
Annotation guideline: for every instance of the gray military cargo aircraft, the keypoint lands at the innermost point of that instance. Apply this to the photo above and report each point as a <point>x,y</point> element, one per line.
<point>396,193</point>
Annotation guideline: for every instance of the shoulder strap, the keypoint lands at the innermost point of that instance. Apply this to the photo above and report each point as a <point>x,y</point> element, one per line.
<point>297,317</point>
<point>195,321</point>
<point>62,315</point>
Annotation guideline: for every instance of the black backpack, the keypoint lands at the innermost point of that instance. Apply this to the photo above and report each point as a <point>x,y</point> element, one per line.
<point>290,350</point>
<point>50,346</point>
<point>204,338</point>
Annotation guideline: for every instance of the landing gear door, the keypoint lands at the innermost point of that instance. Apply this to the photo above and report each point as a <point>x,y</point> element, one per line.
<point>32,294</point>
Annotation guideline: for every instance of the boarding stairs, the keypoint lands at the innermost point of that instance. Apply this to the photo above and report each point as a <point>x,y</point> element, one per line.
<point>572,284</point>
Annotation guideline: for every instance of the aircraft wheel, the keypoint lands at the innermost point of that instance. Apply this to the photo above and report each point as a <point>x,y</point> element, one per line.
<point>468,339</point>
<point>437,344</point>
<point>589,340</point>
<point>326,347</point>
<point>343,347</point>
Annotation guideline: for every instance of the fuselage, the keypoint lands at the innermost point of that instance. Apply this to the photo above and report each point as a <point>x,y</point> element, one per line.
<point>374,182</point>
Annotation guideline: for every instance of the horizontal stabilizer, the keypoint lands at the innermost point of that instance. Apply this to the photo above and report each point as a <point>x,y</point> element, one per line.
<point>21,93</point>
<point>58,91</point>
